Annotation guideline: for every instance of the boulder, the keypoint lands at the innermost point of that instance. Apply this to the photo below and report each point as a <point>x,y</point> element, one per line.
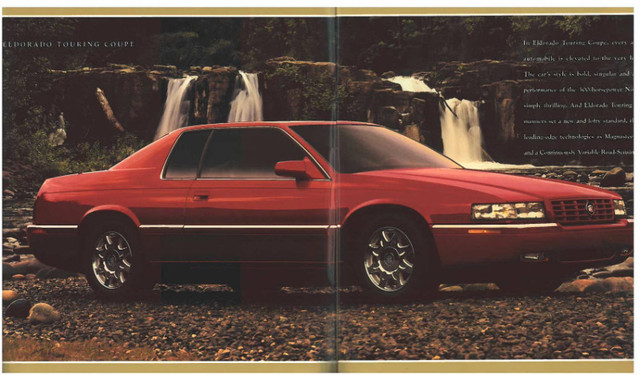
<point>7,271</point>
<point>613,178</point>
<point>480,287</point>
<point>576,286</point>
<point>43,313</point>
<point>9,296</point>
<point>18,308</point>
<point>452,288</point>
<point>618,284</point>
<point>29,266</point>
<point>388,75</point>
<point>389,116</point>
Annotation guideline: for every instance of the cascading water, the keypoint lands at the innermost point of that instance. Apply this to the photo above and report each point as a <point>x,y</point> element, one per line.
<point>247,102</point>
<point>411,84</point>
<point>461,134</point>
<point>176,107</point>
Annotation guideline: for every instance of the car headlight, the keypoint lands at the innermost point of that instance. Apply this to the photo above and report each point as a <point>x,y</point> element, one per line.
<point>507,211</point>
<point>618,207</point>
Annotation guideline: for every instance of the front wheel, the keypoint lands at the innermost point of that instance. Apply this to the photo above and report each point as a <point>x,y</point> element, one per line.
<point>114,268</point>
<point>395,259</point>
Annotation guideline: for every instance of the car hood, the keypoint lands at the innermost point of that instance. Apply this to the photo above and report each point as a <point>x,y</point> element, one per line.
<point>533,186</point>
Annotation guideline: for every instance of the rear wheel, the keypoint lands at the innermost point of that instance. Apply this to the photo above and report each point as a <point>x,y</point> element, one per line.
<point>393,258</point>
<point>113,266</point>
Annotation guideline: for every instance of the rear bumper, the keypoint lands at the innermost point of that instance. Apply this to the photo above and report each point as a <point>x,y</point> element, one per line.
<point>570,246</point>
<point>55,245</point>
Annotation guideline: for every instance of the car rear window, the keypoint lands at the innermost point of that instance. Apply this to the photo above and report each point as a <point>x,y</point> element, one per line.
<point>185,156</point>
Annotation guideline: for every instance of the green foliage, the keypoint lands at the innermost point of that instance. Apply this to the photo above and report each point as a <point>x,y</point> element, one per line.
<point>319,91</point>
<point>33,158</point>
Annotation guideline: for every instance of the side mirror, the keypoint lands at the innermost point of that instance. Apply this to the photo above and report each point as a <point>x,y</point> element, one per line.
<point>300,169</point>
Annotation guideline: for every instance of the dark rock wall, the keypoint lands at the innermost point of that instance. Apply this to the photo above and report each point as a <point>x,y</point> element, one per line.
<point>299,90</point>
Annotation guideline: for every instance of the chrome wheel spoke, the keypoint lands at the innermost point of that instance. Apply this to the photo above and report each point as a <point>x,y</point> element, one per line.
<point>388,261</point>
<point>111,261</point>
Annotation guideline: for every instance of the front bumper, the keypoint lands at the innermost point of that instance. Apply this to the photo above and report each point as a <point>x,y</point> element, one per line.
<point>573,246</point>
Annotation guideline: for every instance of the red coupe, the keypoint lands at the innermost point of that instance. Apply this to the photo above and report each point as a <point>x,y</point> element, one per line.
<point>358,202</point>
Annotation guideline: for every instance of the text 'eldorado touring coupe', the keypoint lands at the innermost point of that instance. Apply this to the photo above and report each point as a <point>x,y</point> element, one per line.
<point>357,202</point>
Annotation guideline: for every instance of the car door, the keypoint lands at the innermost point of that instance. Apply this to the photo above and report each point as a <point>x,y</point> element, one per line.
<point>161,207</point>
<point>239,210</point>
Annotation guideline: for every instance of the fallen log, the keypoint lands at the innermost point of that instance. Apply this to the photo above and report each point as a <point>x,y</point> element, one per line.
<point>106,108</point>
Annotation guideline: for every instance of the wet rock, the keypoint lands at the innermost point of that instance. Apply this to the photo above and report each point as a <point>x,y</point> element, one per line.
<point>576,286</point>
<point>8,194</point>
<point>618,284</point>
<point>452,288</point>
<point>43,313</point>
<point>9,296</point>
<point>29,266</point>
<point>54,273</point>
<point>12,258</point>
<point>387,75</point>
<point>480,287</point>
<point>7,271</point>
<point>613,178</point>
<point>18,308</point>
<point>390,117</point>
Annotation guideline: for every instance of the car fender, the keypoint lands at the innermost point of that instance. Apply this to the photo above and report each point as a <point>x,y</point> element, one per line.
<point>112,207</point>
<point>378,202</point>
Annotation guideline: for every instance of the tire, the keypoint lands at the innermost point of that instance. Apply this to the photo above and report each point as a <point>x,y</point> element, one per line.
<point>113,265</point>
<point>531,285</point>
<point>393,259</point>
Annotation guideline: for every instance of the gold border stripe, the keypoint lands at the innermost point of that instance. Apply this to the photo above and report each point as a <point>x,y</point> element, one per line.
<point>481,10</point>
<point>161,367</point>
<point>301,11</point>
<point>165,11</point>
<point>511,366</point>
<point>516,366</point>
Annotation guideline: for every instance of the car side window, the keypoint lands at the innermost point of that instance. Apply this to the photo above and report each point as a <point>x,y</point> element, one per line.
<point>185,156</point>
<point>248,153</point>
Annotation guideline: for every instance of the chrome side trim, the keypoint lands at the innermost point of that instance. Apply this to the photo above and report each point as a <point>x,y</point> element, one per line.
<point>494,226</point>
<point>46,226</point>
<point>261,226</point>
<point>162,226</point>
<point>176,226</point>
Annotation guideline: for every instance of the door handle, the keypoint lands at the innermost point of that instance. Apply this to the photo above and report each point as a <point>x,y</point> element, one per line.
<point>201,196</point>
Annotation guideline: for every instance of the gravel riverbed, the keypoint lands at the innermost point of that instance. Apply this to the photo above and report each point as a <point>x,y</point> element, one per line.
<point>208,323</point>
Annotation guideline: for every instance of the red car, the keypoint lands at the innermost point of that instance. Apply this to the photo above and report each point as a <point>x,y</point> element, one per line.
<point>214,201</point>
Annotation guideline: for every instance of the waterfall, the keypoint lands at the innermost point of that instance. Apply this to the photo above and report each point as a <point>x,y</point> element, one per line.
<point>247,102</point>
<point>461,135</point>
<point>176,107</point>
<point>411,84</point>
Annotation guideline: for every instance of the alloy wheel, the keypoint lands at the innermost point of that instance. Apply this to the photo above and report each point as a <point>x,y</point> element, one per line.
<point>111,261</point>
<point>389,260</point>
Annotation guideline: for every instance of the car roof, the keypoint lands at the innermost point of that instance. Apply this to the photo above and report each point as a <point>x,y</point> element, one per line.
<point>279,124</point>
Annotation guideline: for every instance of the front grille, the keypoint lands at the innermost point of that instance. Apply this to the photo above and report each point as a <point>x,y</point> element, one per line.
<point>574,212</point>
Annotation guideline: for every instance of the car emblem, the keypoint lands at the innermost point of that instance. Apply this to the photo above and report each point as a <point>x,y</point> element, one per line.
<point>591,208</point>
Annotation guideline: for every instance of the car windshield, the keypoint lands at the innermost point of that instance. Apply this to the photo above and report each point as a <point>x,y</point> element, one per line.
<point>361,148</point>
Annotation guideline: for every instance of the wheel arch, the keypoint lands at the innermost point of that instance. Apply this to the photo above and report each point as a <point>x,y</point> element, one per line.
<point>102,213</point>
<point>358,216</point>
